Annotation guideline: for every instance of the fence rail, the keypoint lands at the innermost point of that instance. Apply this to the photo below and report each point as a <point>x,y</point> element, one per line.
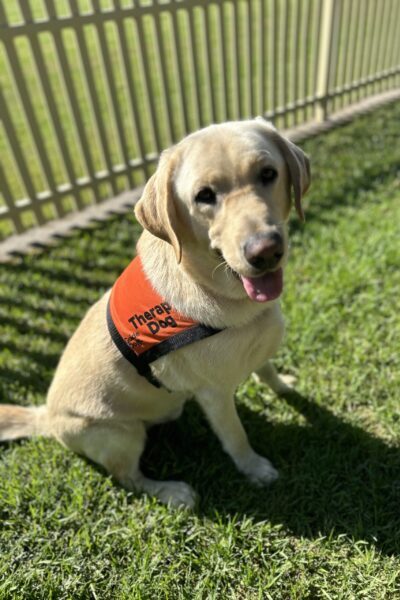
<point>93,90</point>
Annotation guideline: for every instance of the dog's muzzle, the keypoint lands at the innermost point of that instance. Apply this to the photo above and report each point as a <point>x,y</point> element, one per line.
<point>264,251</point>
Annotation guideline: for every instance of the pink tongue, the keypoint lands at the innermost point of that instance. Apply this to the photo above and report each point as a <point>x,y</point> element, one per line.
<point>265,288</point>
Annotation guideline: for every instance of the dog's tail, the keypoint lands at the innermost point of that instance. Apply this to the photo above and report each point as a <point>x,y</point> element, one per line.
<point>19,422</point>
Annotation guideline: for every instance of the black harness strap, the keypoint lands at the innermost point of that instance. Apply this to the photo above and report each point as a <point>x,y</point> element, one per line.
<point>194,334</point>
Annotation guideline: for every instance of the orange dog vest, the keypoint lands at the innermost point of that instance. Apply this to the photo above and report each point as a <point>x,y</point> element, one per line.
<point>143,325</point>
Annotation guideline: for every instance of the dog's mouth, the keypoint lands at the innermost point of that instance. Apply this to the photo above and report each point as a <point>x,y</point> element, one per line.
<point>263,288</point>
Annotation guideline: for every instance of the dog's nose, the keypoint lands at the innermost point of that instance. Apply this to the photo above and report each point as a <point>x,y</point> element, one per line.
<point>264,251</point>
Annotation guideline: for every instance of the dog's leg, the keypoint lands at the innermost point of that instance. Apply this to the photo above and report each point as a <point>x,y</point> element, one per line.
<point>280,384</point>
<point>118,448</point>
<point>221,412</point>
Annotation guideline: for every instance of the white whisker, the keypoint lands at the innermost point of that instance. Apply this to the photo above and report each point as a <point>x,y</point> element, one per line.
<point>221,264</point>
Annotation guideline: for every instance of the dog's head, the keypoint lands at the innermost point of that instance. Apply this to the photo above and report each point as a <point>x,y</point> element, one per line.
<point>222,198</point>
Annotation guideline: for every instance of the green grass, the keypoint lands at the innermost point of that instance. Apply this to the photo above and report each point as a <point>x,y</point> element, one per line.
<point>330,527</point>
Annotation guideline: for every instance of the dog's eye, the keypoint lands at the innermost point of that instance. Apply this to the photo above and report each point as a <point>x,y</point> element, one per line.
<point>267,175</point>
<point>206,195</point>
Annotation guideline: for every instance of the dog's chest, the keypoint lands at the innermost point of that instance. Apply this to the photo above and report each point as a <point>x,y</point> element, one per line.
<point>227,358</point>
<point>241,350</point>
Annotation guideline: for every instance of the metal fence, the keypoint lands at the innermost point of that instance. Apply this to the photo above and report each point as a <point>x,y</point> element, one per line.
<point>93,90</point>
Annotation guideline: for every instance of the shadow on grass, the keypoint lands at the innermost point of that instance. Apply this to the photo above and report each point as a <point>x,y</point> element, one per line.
<point>335,478</point>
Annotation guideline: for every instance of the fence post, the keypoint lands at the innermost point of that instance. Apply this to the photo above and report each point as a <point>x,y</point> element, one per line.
<point>327,54</point>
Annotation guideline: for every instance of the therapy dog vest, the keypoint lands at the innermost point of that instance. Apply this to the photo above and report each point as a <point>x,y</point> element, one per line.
<point>143,325</point>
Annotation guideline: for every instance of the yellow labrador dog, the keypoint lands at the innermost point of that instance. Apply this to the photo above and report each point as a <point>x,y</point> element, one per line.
<point>214,248</point>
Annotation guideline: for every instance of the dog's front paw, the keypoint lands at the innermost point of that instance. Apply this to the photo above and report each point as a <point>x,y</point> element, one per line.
<point>176,493</point>
<point>259,470</point>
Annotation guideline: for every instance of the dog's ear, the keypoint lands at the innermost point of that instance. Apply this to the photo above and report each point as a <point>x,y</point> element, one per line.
<point>297,163</point>
<point>299,170</point>
<point>156,210</point>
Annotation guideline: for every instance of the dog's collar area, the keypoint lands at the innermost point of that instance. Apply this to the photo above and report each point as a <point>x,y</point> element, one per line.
<point>143,326</point>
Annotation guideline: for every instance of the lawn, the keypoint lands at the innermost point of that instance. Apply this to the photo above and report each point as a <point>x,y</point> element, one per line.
<point>330,527</point>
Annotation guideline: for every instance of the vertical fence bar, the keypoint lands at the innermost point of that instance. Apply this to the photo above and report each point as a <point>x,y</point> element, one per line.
<point>223,60</point>
<point>259,51</point>
<point>360,37</point>
<point>384,42</point>
<point>108,71</point>
<point>251,110</point>
<point>25,97</point>
<point>395,53</point>
<point>327,35</point>
<point>20,160</point>
<point>378,63</point>
<point>284,63</point>
<point>73,103</point>
<point>301,69</point>
<point>177,40</point>
<point>203,81</point>
<point>354,57</point>
<point>13,212</point>
<point>274,72</point>
<point>342,53</point>
<point>52,106</point>
<point>167,97</point>
<point>234,96</point>
<point>316,36</point>
<point>365,47</point>
<point>349,51</point>
<point>375,67</point>
<point>296,20</point>
<point>306,32</point>
<point>128,68</point>
<point>236,41</point>
<point>162,70</point>
<point>391,12</point>
<point>344,50</point>
<point>208,62</point>
<point>396,49</point>
<point>146,69</point>
<point>373,43</point>
<point>334,58</point>
<point>199,105</point>
<point>89,80</point>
